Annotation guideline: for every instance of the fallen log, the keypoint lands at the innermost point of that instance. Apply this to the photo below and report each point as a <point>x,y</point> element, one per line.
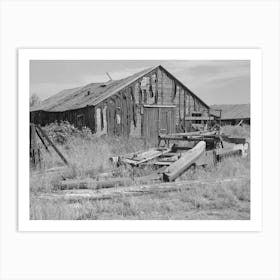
<point>186,160</point>
<point>89,183</point>
<point>93,184</point>
<point>139,190</point>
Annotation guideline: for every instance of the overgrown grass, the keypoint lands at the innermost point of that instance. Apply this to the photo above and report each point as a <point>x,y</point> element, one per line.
<point>238,131</point>
<point>89,157</point>
<point>217,201</point>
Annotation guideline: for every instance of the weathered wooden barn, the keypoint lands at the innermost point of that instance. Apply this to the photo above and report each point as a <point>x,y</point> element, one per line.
<point>145,104</point>
<point>233,114</point>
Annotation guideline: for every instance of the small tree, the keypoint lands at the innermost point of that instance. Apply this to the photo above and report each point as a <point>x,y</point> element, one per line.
<point>34,99</point>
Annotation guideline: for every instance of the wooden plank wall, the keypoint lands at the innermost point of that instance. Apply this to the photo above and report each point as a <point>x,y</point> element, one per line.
<point>79,117</point>
<point>122,114</point>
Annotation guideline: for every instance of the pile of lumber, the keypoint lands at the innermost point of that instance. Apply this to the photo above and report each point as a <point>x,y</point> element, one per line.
<point>171,162</point>
<point>207,147</point>
<point>139,158</point>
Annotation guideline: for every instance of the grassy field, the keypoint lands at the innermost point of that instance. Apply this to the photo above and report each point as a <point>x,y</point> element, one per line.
<point>89,156</point>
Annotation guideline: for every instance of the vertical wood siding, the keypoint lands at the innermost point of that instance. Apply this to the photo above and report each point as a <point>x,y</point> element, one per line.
<point>123,114</point>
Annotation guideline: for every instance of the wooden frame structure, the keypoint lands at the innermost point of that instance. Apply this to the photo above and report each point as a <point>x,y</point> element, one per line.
<point>118,107</point>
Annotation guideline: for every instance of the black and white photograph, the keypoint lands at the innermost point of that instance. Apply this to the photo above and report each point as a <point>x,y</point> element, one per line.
<point>139,139</point>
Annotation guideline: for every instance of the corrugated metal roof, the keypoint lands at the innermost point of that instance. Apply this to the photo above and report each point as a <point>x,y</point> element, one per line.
<point>233,111</point>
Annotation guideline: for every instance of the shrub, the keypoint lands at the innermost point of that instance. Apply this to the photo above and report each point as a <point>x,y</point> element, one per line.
<point>62,132</point>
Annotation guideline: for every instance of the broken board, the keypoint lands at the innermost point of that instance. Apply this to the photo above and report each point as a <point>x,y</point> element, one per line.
<point>187,159</point>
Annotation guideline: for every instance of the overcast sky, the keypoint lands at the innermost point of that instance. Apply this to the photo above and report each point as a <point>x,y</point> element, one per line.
<point>215,82</point>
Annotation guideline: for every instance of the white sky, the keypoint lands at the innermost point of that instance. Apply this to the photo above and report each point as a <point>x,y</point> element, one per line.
<point>215,82</point>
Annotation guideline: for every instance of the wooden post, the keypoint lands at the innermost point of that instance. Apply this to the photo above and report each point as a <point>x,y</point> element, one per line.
<point>180,107</point>
<point>129,111</point>
<point>189,104</point>
<point>140,93</point>
<point>102,116</point>
<point>150,86</point>
<point>185,111</point>
<point>52,144</point>
<point>34,149</point>
<point>42,140</point>
<point>134,113</point>
<point>209,120</point>
<point>220,122</point>
<point>174,90</point>
<point>121,113</point>
<point>161,87</point>
<point>156,88</point>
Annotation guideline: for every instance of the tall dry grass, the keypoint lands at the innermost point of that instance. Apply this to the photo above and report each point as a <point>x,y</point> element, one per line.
<point>238,131</point>
<point>89,156</point>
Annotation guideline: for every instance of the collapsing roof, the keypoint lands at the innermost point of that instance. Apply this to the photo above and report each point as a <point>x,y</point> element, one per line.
<point>94,93</point>
<point>233,111</point>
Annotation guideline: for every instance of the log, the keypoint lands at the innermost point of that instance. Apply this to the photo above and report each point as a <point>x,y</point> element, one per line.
<point>89,183</point>
<point>181,165</point>
<point>136,190</point>
<point>92,184</point>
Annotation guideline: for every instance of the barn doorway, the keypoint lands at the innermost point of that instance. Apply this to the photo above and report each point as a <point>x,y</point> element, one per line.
<point>158,119</point>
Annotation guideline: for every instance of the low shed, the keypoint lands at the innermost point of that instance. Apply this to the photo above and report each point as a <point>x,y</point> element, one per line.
<point>233,113</point>
<point>145,104</point>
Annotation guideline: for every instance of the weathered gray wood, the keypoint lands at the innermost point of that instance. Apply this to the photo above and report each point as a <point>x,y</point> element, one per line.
<point>53,145</point>
<point>186,160</point>
<point>134,113</point>
<point>167,160</point>
<point>145,156</point>
<point>89,183</point>
<point>42,140</point>
<point>194,133</point>
<point>209,158</point>
<point>235,140</point>
<point>227,152</point>
<point>185,108</point>
<point>238,149</point>
<point>138,190</point>
<point>34,148</point>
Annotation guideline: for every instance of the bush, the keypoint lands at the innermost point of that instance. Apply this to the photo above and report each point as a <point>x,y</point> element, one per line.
<point>62,132</point>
